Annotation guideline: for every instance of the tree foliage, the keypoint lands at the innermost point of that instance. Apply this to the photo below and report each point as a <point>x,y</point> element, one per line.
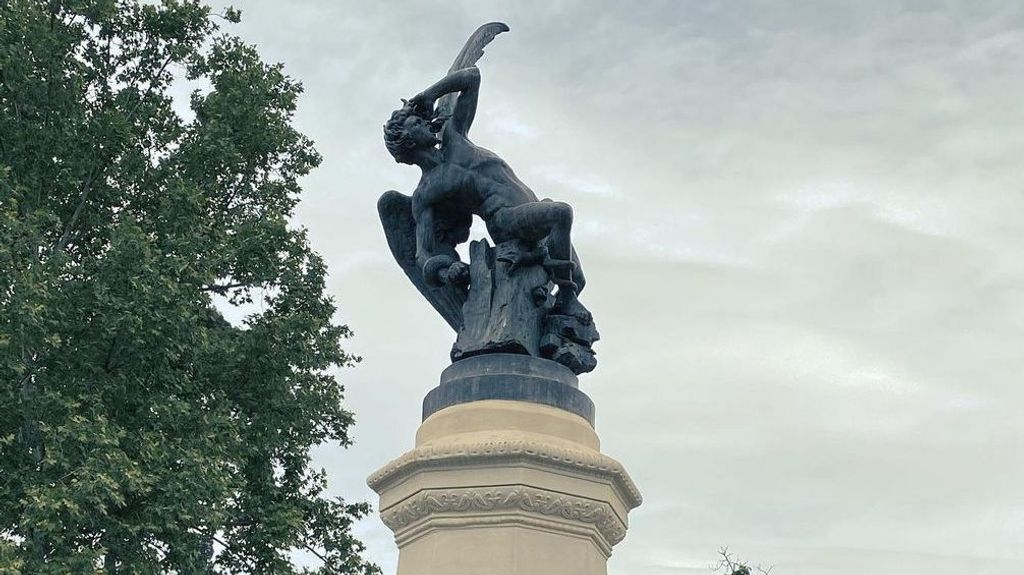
<point>140,432</point>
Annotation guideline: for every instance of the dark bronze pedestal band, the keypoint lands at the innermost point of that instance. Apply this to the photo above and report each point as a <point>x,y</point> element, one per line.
<point>509,377</point>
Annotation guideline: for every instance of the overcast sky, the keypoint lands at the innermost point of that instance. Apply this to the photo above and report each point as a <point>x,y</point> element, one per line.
<point>801,226</point>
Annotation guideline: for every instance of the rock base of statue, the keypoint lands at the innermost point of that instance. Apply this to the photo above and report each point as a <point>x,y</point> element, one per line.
<point>511,309</point>
<point>505,486</point>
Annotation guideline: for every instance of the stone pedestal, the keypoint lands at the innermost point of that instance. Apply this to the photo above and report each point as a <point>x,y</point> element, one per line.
<point>505,479</point>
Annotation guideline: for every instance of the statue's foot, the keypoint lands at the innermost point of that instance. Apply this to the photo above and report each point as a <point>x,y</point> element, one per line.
<point>566,302</point>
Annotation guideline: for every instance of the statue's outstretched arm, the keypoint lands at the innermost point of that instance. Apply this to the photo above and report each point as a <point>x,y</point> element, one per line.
<point>467,83</point>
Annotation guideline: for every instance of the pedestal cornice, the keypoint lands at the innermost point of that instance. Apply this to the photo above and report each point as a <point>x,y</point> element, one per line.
<point>508,451</point>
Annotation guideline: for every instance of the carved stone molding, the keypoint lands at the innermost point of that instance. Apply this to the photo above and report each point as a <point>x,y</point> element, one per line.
<point>515,498</point>
<point>489,452</point>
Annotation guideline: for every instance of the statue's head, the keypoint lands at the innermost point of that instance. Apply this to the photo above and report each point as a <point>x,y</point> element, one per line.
<point>407,131</point>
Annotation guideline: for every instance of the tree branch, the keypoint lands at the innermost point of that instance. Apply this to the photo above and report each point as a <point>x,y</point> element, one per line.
<point>315,552</point>
<point>99,170</point>
<point>734,566</point>
<point>222,289</point>
<point>227,550</point>
<point>82,198</point>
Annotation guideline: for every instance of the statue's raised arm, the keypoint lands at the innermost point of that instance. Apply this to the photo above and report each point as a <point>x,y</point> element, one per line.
<point>466,84</point>
<point>469,56</point>
<point>519,296</point>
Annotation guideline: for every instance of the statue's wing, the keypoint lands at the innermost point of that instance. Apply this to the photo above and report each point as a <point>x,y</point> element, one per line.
<point>395,211</point>
<point>469,55</point>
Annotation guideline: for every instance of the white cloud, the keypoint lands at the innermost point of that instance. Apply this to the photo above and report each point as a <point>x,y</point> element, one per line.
<point>579,183</point>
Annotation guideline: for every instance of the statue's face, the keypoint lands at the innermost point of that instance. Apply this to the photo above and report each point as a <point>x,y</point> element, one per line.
<point>418,131</point>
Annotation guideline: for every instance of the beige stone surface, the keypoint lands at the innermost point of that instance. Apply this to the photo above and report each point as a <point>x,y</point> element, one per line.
<point>497,415</point>
<point>501,550</point>
<point>505,488</point>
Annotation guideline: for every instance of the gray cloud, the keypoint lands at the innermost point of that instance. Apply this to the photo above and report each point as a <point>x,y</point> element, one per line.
<point>800,223</point>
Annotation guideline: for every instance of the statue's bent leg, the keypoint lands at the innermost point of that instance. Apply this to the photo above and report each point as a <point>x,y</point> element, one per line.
<point>577,272</point>
<point>533,222</point>
<point>546,221</point>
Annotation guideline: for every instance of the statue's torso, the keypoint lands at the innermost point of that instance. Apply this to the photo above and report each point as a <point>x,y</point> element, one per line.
<point>471,178</point>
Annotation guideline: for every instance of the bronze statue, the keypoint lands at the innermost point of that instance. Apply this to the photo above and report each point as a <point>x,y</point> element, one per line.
<point>519,296</point>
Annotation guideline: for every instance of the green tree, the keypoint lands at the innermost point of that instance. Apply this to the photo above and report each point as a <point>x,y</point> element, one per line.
<point>140,432</point>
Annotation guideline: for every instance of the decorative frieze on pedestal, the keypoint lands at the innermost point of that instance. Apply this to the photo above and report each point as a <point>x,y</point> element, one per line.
<point>540,507</point>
